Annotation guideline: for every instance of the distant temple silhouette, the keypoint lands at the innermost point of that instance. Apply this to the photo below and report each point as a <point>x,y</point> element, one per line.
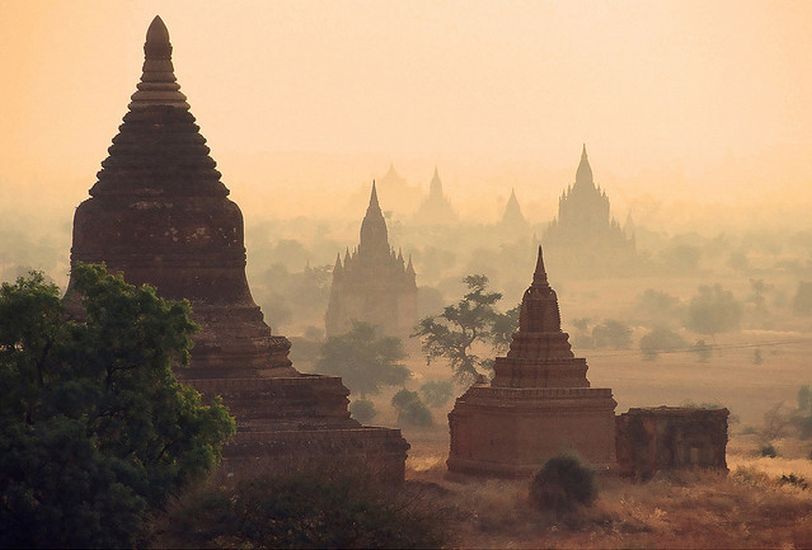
<point>513,221</point>
<point>373,284</point>
<point>399,195</point>
<point>585,235</point>
<point>435,208</point>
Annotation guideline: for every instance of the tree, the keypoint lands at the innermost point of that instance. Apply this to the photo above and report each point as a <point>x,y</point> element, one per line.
<point>453,334</point>
<point>659,340</point>
<point>802,303</point>
<point>702,350</point>
<point>96,432</point>
<point>713,310</point>
<point>365,361</point>
<point>411,410</point>
<point>612,333</point>
<point>363,410</point>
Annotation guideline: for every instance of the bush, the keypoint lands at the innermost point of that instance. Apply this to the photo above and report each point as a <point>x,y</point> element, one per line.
<point>363,410</point>
<point>768,450</point>
<point>305,512</point>
<point>562,485</point>
<point>794,480</point>
<point>411,410</point>
<point>437,393</point>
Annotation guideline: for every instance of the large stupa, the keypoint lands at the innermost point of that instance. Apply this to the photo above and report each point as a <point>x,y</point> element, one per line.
<point>159,214</point>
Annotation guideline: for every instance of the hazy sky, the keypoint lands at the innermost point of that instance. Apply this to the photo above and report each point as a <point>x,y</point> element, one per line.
<point>702,101</point>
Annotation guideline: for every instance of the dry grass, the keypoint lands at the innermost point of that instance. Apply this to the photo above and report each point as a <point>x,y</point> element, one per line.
<point>749,508</point>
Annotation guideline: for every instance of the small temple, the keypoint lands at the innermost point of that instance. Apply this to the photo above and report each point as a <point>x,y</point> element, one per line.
<point>435,208</point>
<point>539,403</point>
<point>513,221</point>
<point>585,236</point>
<point>373,284</point>
<point>159,214</point>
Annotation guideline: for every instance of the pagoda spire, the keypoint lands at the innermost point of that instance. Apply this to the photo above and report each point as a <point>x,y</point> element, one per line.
<point>158,84</point>
<point>374,236</point>
<point>373,199</point>
<point>436,186</point>
<point>583,176</point>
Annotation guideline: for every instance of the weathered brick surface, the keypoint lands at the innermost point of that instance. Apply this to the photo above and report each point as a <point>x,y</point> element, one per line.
<point>666,438</point>
<point>539,403</point>
<point>159,214</point>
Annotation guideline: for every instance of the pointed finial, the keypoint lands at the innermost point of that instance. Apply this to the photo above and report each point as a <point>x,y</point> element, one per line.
<point>338,261</point>
<point>540,274</point>
<point>410,266</point>
<point>158,84</point>
<point>583,151</point>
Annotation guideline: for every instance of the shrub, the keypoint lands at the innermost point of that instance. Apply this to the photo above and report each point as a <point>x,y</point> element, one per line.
<point>363,410</point>
<point>411,410</point>
<point>562,485</point>
<point>437,393</point>
<point>306,512</point>
<point>794,480</point>
<point>768,450</point>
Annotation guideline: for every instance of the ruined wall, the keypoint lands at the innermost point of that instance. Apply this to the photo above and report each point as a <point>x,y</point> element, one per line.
<point>665,438</point>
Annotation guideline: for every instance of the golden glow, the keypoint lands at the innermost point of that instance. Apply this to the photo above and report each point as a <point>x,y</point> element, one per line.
<point>687,107</point>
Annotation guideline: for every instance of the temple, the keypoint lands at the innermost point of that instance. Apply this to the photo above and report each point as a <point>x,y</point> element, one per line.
<point>400,196</point>
<point>513,221</point>
<point>159,214</point>
<point>373,284</point>
<point>585,237</point>
<point>539,403</point>
<point>435,208</point>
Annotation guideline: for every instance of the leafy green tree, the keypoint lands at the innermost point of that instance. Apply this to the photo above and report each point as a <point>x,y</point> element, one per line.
<point>713,310</point>
<point>453,334</point>
<point>411,410</point>
<point>365,361</point>
<point>96,432</point>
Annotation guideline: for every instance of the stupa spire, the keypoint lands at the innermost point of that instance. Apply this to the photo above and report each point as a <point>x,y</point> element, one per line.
<point>540,274</point>
<point>158,84</point>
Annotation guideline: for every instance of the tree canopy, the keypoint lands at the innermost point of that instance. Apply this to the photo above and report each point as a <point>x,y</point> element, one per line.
<point>96,432</point>
<point>452,334</point>
<point>713,310</point>
<point>364,360</point>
